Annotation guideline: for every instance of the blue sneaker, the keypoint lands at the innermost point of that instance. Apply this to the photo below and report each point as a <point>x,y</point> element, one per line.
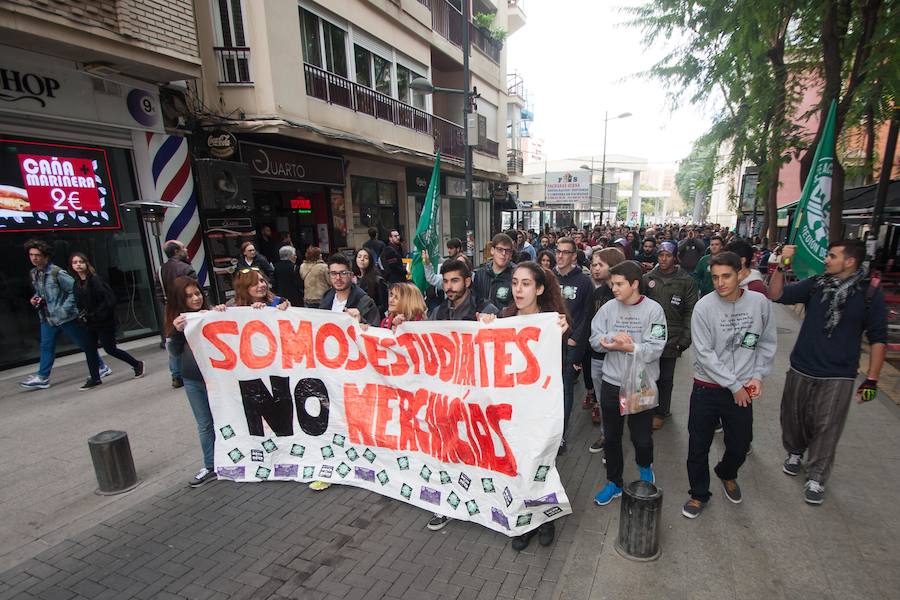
<point>609,492</point>
<point>646,474</point>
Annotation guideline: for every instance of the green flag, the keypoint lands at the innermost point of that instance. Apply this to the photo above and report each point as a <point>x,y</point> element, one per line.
<point>427,234</point>
<point>810,231</point>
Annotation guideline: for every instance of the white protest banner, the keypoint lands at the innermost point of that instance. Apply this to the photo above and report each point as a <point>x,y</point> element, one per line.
<point>459,418</point>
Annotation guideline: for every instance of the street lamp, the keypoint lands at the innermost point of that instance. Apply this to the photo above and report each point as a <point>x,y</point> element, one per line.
<point>420,84</point>
<point>606,120</point>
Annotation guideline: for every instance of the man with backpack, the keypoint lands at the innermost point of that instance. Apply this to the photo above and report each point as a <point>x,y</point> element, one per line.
<point>841,305</point>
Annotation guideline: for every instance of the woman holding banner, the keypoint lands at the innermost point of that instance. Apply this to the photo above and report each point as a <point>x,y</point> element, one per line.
<point>185,296</point>
<point>251,288</point>
<point>535,290</point>
<point>405,303</point>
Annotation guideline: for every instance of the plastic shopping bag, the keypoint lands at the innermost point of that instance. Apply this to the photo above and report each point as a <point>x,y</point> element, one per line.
<point>638,391</point>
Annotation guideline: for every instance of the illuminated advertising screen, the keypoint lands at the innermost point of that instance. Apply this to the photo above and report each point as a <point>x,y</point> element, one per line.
<point>54,186</point>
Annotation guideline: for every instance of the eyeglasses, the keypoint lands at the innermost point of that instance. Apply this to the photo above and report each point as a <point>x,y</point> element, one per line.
<point>334,274</point>
<point>565,252</point>
<point>504,251</point>
<point>246,270</point>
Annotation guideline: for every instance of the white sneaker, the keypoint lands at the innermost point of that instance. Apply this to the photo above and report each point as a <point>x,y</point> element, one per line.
<point>35,382</point>
<point>105,371</point>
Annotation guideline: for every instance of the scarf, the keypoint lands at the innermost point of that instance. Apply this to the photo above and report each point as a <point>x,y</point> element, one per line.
<point>835,292</point>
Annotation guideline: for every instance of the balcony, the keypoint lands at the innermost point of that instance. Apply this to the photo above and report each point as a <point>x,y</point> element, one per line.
<point>515,162</point>
<point>447,20</point>
<point>234,65</point>
<point>334,89</point>
<point>515,15</point>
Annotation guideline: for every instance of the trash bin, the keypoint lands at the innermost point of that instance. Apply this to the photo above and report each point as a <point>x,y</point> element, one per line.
<point>639,522</point>
<point>113,464</point>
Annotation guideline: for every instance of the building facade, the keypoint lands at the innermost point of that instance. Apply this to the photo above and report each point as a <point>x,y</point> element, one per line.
<point>327,126</point>
<point>86,113</point>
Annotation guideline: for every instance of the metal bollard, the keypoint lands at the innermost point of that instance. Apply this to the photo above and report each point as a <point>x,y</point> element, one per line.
<point>113,464</point>
<point>639,522</point>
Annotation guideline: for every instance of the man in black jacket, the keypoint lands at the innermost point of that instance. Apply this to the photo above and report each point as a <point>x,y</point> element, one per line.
<point>459,305</point>
<point>346,296</point>
<point>177,265</point>
<point>392,260</point>
<point>287,282</point>
<point>576,289</point>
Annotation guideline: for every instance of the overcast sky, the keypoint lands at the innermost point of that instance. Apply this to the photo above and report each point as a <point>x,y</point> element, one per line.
<point>577,58</point>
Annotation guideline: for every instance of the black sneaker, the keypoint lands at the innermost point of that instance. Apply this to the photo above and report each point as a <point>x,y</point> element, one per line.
<point>597,447</point>
<point>90,384</point>
<point>732,490</point>
<point>139,370</point>
<point>437,522</point>
<point>202,478</point>
<point>520,542</point>
<point>177,382</point>
<point>814,492</point>
<point>793,464</point>
<point>546,533</point>
<point>692,508</point>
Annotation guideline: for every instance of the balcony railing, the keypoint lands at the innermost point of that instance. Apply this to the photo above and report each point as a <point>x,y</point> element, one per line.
<point>484,42</point>
<point>334,89</point>
<point>446,19</point>
<point>426,3</point>
<point>490,147</point>
<point>515,162</point>
<point>234,64</point>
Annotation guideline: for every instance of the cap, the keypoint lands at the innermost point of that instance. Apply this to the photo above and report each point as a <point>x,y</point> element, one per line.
<point>667,246</point>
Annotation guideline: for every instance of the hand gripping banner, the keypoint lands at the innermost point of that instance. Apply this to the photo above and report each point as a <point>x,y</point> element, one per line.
<point>454,417</point>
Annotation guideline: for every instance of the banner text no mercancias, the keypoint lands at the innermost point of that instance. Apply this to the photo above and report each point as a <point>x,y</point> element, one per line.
<point>456,417</point>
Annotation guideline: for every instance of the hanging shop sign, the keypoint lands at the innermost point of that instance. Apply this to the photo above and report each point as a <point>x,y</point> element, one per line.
<point>51,186</point>
<point>221,143</point>
<point>40,85</point>
<point>281,164</point>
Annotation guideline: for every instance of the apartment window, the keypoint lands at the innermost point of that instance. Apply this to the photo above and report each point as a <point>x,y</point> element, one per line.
<point>375,204</point>
<point>410,96</point>
<point>363,61</point>
<point>324,43</point>
<point>232,52</point>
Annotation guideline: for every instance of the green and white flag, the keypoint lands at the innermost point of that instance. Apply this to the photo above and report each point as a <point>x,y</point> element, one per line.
<point>427,234</point>
<point>810,231</point>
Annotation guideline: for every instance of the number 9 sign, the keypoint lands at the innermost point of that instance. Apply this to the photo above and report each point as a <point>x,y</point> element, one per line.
<point>142,106</point>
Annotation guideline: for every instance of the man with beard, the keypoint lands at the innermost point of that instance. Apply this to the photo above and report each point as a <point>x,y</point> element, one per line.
<point>392,260</point>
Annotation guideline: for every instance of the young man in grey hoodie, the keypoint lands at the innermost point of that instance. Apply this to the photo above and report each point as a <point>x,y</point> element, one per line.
<point>633,324</point>
<point>734,338</point>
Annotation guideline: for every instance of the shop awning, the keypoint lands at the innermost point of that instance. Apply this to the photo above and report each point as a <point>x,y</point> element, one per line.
<point>862,199</point>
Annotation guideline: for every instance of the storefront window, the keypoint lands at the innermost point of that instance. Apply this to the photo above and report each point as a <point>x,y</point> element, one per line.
<point>375,204</point>
<point>118,256</point>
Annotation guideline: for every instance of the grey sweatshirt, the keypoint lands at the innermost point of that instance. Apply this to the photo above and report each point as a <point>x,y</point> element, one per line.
<point>734,342</point>
<point>645,322</point>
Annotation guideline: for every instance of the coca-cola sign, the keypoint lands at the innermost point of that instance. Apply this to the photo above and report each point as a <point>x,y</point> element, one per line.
<point>53,186</point>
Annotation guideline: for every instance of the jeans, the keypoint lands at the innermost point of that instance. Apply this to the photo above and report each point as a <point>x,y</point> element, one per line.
<point>570,376</point>
<point>106,335</point>
<point>640,426</point>
<point>77,334</point>
<point>708,406</point>
<point>199,401</point>
<point>174,360</point>
<point>664,384</point>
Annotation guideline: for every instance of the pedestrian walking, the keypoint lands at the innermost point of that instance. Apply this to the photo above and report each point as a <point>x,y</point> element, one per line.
<point>368,277</point>
<point>690,250</point>
<point>186,297</point>
<point>314,273</point>
<point>251,288</point>
<point>374,245</point>
<point>632,325</point>
<point>251,259</point>
<point>392,259</point>
<point>674,289</point>
<point>346,296</point>
<point>54,302</point>
<point>96,304</point>
<point>701,272</point>
<point>734,337</point>
<point>841,305</point>
<point>749,278</point>
<point>287,281</point>
<point>576,289</point>
<point>535,290</point>
<point>405,303</point>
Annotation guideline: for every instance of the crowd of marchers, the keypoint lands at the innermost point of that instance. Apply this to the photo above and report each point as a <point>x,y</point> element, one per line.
<point>627,298</point>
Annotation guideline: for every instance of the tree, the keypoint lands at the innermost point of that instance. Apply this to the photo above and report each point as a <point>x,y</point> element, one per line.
<point>697,171</point>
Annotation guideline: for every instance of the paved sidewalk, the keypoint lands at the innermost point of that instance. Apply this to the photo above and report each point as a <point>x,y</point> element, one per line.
<point>280,540</point>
